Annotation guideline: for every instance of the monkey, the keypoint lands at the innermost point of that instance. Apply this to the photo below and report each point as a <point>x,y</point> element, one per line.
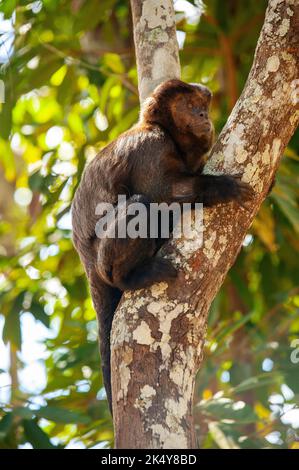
<point>160,159</point>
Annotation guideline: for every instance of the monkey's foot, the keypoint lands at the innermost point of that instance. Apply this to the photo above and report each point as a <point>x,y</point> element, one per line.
<point>152,271</point>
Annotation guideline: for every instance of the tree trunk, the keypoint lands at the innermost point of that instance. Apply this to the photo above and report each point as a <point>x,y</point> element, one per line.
<point>157,52</point>
<point>158,334</point>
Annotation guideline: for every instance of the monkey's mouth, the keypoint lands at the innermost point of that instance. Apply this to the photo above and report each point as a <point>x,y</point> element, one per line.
<point>204,131</point>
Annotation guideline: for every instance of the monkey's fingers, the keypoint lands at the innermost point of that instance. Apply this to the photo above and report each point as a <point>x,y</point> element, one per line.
<point>237,176</point>
<point>246,191</point>
<point>245,195</point>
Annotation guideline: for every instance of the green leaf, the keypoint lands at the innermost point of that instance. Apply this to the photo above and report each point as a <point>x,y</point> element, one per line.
<point>113,62</point>
<point>23,412</point>
<point>5,425</point>
<point>67,88</point>
<point>36,181</point>
<point>36,436</point>
<point>290,210</point>
<point>91,13</point>
<point>12,325</point>
<point>61,415</point>
<point>39,313</point>
<point>230,329</point>
<point>227,409</point>
<point>44,72</point>
<point>8,7</point>
<point>6,117</point>
<point>256,382</point>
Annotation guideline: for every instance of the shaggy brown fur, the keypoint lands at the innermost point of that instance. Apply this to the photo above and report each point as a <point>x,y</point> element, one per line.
<point>160,159</point>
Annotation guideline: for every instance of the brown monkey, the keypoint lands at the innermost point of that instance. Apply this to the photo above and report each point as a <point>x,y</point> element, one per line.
<point>161,159</point>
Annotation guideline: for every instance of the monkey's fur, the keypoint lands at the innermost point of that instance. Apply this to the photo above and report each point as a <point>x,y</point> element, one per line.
<point>161,159</point>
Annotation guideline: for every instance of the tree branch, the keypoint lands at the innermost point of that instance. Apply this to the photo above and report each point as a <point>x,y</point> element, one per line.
<point>158,334</point>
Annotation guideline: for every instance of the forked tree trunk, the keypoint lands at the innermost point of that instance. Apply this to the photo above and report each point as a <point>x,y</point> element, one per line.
<point>158,334</point>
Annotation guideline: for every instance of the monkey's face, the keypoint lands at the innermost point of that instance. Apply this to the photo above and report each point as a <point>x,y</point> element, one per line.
<point>190,113</point>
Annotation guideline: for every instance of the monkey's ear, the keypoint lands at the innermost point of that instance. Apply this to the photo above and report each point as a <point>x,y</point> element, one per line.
<point>203,89</point>
<point>148,103</point>
<point>148,109</point>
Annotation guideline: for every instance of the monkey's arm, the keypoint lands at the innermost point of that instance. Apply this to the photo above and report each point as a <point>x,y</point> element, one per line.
<point>161,173</point>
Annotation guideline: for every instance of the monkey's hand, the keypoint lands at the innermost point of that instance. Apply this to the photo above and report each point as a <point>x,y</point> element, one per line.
<point>215,189</point>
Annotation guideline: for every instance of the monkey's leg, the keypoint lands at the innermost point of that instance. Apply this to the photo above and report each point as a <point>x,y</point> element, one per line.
<point>213,189</point>
<point>129,263</point>
<point>122,264</point>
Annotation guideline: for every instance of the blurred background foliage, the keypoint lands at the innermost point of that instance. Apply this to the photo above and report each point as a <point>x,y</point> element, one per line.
<point>70,87</point>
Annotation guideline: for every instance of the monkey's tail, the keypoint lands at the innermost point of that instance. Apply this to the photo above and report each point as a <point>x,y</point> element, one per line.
<point>105,299</point>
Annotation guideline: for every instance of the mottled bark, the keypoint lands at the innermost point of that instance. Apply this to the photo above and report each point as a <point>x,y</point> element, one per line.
<point>157,52</point>
<point>158,334</point>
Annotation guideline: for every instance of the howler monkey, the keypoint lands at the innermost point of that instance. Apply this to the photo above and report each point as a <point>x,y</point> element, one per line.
<point>161,159</point>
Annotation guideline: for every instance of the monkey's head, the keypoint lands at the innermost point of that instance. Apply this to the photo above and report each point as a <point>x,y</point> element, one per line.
<point>183,110</point>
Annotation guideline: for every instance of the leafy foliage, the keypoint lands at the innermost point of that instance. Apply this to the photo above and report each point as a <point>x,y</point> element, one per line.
<point>70,87</point>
